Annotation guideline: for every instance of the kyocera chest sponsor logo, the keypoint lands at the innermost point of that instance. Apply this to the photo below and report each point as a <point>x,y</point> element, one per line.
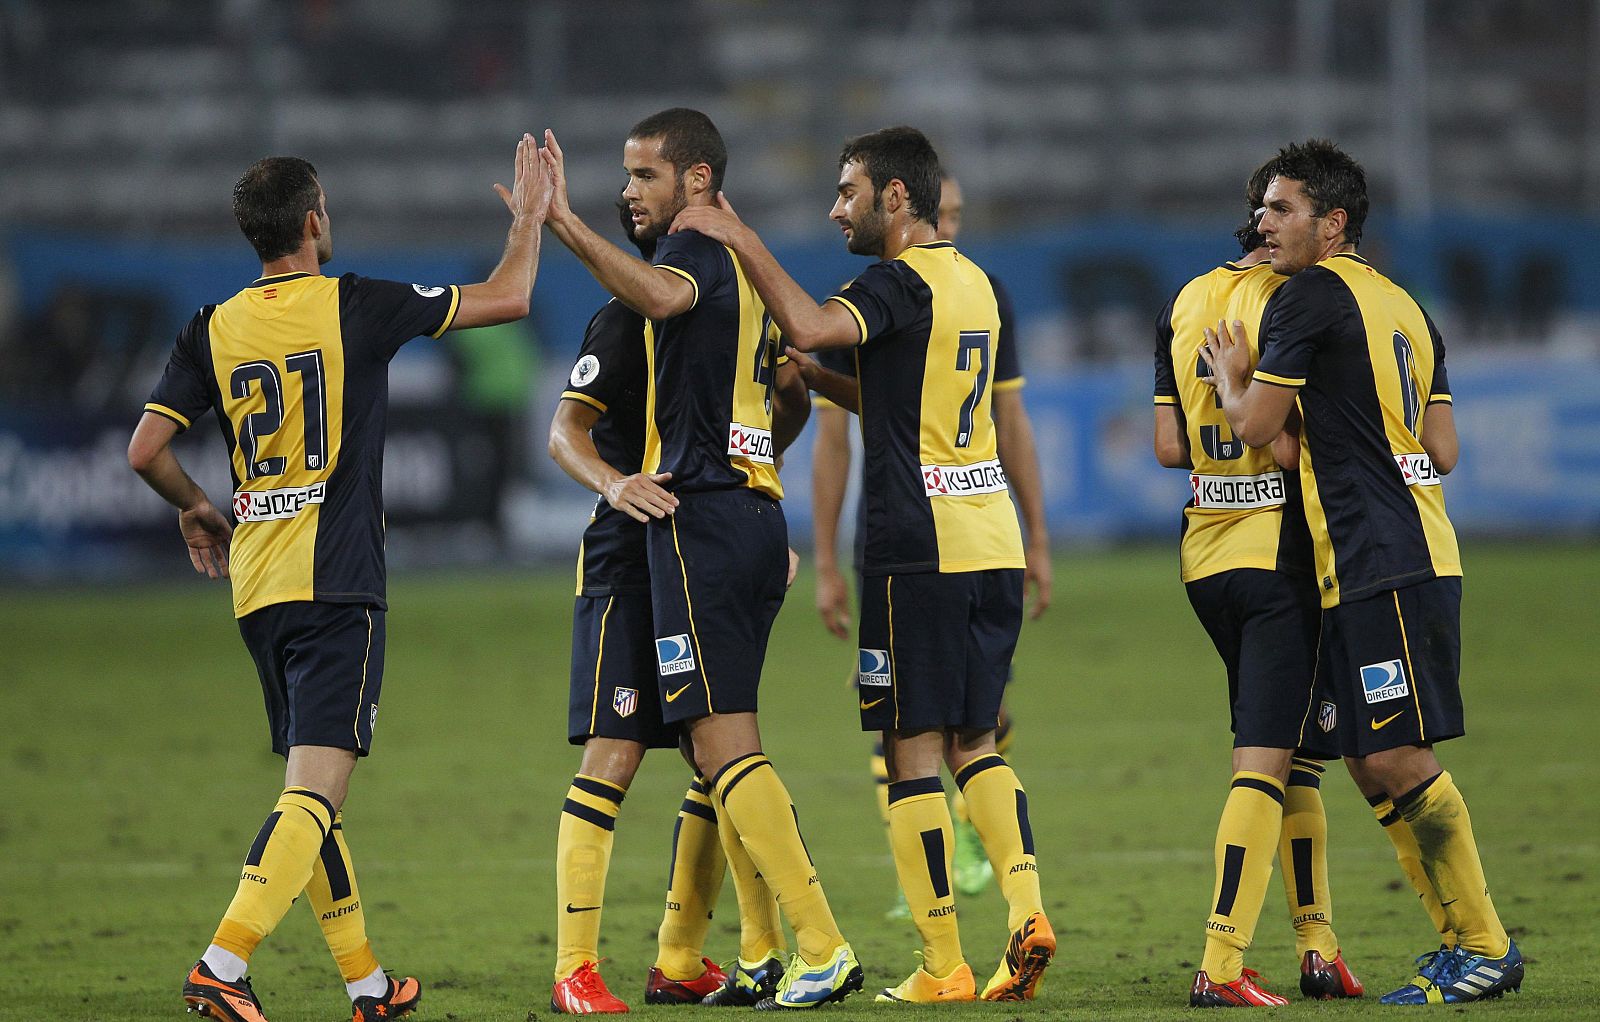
<point>1417,469</point>
<point>873,667</point>
<point>674,655</point>
<point>750,443</point>
<point>960,480</point>
<point>264,505</point>
<point>1237,492</point>
<point>1384,681</point>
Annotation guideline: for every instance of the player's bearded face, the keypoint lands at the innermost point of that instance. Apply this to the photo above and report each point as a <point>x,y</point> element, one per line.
<point>1294,234</point>
<point>655,193</point>
<point>859,212</point>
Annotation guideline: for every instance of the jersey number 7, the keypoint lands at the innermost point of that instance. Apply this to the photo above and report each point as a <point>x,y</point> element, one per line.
<point>970,341</point>
<point>266,377</point>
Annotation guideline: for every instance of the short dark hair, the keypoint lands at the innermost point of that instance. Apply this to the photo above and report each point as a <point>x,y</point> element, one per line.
<point>903,153</point>
<point>271,202</point>
<point>1255,195</point>
<point>1331,178</point>
<point>687,137</point>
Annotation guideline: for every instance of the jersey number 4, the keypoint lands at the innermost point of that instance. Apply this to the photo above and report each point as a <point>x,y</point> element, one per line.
<point>257,426</point>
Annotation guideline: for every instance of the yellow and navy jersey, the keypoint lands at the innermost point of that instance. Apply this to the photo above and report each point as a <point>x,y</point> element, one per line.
<point>297,368</point>
<point>1007,376</point>
<point>935,495</point>
<point>708,411</point>
<point>1244,511</point>
<point>1366,361</point>
<point>610,375</point>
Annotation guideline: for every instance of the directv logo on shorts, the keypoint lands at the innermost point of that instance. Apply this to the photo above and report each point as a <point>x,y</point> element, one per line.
<point>674,654</point>
<point>1384,681</point>
<point>873,668</point>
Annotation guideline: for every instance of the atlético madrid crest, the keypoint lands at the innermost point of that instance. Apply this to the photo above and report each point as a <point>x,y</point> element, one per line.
<point>625,701</point>
<point>1327,716</point>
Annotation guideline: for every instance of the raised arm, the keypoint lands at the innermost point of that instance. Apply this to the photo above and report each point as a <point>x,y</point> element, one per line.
<point>205,529</point>
<point>806,325</point>
<point>651,291</point>
<point>505,296</point>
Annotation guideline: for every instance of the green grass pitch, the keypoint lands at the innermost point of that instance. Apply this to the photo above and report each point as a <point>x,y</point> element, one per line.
<point>134,769</point>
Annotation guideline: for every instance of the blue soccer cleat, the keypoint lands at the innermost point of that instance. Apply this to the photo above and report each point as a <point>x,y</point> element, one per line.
<point>747,983</point>
<point>1457,976</point>
<point>807,986</point>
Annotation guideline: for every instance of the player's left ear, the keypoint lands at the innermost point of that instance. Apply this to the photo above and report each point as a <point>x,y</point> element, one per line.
<point>1334,223</point>
<point>697,179</point>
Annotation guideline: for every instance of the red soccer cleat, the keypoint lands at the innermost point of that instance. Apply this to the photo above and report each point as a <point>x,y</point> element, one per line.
<point>1326,981</point>
<point>585,993</point>
<point>1243,992</point>
<point>658,989</point>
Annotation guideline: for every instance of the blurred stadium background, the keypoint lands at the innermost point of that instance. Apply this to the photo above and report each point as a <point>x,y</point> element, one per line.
<point>1101,146</point>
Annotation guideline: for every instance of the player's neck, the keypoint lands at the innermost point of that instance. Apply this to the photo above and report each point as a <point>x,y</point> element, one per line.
<point>903,236</point>
<point>1335,248</point>
<point>302,261</point>
<point>1256,255</point>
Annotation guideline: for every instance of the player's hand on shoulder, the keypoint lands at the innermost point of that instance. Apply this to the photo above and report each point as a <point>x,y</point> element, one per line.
<point>719,223</point>
<point>641,496</point>
<point>207,533</point>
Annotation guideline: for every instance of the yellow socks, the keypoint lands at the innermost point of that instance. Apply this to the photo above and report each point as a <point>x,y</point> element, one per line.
<point>692,886</point>
<point>998,808</point>
<point>336,900</point>
<point>1002,745</point>
<point>276,869</point>
<point>755,801</point>
<point>1247,836</point>
<point>921,835</point>
<point>1438,818</point>
<point>583,854</point>
<point>760,925</point>
<point>1410,859</point>
<point>1303,856</point>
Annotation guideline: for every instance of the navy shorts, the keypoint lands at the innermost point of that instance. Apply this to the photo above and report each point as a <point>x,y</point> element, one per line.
<point>935,648</point>
<point>1264,625</point>
<point>1393,663</point>
<point>321,669</point>
<point>717,570</point>
<point>613,689</point>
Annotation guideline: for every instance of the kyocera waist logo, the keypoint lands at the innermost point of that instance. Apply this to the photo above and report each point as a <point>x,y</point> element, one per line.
<point>674,654</point>
<point>959,480</point>
<point>262,505</point>
<point>750,443</point>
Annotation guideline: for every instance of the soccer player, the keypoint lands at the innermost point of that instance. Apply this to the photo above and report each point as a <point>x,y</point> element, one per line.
<point>597,437</point>
<point>1246,566</point>
<point>1019,459</point>
<point>1365,365</point>
<point>942,596</point>
<point>718,562</point>
<point>296,367</point>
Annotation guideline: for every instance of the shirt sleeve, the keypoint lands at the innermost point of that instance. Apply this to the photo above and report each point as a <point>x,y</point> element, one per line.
<point>881,299</point>
<point>1166,389</point>
<point>695,258</point>
<point>1439,386</point>
<point>1007,360</point>
<point>183,393</point>
<point>1295,323</point>
<point>611,359</point>
<point>382,315</point>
